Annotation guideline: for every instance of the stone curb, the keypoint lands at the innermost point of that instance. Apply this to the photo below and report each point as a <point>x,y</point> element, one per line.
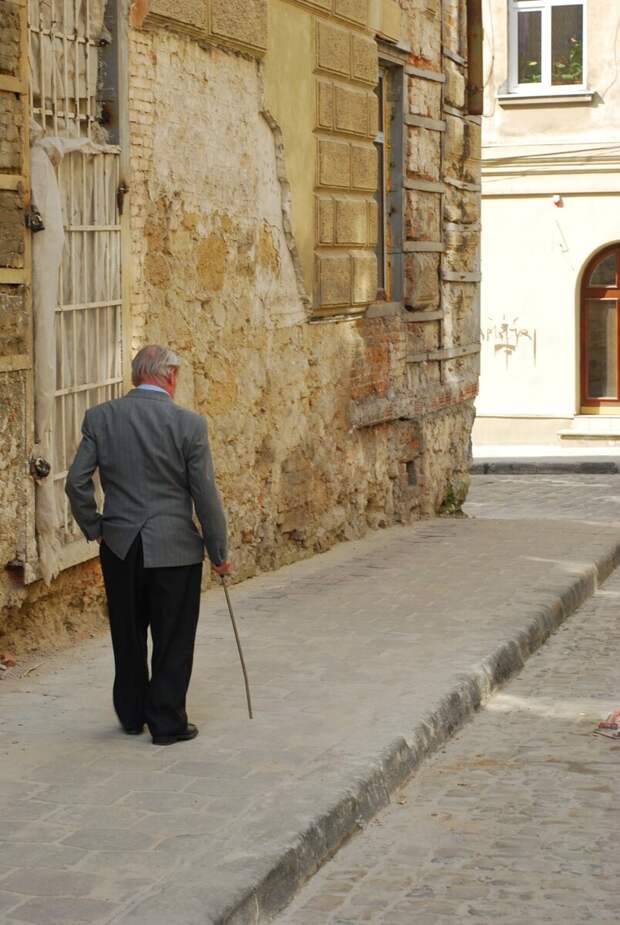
<point>371,791</point>
<point>544,467</point>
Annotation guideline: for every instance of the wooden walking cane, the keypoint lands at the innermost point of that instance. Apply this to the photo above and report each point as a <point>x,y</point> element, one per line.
<point>240,650</point>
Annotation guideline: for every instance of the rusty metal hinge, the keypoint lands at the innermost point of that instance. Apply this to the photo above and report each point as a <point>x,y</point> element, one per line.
<point>39,467</point>
<point>33,219</point>
<point>121,192</point>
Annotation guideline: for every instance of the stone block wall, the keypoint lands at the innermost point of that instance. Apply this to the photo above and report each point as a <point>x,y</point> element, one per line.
<point>346,125</point>
<point>237,23</point>
<point>253,237</point>
<point>16,502</point>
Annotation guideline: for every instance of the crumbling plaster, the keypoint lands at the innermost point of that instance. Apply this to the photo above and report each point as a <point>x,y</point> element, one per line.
<point>275,389</point>
<point>294,474</point>
<point>320,431</point>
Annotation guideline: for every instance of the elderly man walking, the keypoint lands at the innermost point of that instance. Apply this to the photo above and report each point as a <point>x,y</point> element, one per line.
<point>154,460</point>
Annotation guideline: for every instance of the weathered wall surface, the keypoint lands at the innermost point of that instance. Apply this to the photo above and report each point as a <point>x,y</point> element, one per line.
<point>34,615</point>
<point>275,389</point>
<point>281,393</point>
<point>16,511</point>
<point>253,232</point>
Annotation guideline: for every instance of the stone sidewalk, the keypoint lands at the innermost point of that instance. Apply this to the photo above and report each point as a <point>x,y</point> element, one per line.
<point>362,661</point>
<point>568,497</point>
<point>514,821</point>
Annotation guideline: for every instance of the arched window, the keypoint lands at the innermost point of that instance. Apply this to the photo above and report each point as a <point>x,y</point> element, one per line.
<point>600,340</point>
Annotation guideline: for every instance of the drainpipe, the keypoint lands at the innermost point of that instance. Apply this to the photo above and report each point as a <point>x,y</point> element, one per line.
<point>475,80</point>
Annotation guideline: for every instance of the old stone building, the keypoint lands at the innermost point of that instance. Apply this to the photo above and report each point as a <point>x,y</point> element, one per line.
<point>287,193</point>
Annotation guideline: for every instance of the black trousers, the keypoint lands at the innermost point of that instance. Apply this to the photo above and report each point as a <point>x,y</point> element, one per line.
<point>167,600</point>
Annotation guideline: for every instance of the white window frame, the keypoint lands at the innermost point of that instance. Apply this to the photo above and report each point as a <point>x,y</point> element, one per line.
<point>545,87</point>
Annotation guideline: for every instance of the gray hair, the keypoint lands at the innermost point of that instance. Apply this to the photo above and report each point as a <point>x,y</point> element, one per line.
<point>153,362</point>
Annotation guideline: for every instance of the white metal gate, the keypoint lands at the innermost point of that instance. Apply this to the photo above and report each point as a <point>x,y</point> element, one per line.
<point>88,313</point>
<point>68,41</point>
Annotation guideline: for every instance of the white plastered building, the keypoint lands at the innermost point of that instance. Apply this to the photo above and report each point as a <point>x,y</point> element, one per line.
<point>550,302</point>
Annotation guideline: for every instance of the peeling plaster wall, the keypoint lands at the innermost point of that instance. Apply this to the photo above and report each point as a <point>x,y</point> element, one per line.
<point>320,430</point>
<point>37,615</point>
<point>276,390</point>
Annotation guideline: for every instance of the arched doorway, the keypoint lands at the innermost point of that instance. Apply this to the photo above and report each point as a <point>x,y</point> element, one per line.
<point>600,333</point>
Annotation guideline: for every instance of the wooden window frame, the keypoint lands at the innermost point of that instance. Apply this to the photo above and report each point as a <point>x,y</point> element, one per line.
<point>545,87</point>
<point>598,405</point>
<point>382,144</point>
<point>474,55</point>
<point>389,142</point>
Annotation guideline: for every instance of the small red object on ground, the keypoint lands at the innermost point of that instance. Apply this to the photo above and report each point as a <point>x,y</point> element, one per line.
<point>608,728</point>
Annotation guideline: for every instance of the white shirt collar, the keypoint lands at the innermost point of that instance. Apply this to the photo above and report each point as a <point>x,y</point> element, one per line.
<point>151,388</point>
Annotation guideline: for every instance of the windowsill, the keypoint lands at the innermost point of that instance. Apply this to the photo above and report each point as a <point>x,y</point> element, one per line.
<point>545,99</point>
<point>335,315</point>
<point>384,309</point>
<point>372,310</point>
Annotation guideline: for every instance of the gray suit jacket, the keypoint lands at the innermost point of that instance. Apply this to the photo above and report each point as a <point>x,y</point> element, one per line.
<point>153,458</point>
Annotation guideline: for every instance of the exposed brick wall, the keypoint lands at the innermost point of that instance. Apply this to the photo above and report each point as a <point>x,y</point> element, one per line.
<point>380,363</point>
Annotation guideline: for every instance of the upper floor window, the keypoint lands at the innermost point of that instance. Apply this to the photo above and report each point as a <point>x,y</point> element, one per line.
<point>547,46</point>
<point>389,195</point>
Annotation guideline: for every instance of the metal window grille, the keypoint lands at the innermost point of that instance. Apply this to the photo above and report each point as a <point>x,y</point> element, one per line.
<point>88,314</point>
<point>68,41</point>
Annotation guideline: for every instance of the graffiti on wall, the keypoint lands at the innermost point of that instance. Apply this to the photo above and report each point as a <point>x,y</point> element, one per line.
<point>508,336</point>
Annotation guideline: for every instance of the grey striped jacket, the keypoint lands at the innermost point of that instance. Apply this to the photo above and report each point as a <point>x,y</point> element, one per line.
<point>154,460</point>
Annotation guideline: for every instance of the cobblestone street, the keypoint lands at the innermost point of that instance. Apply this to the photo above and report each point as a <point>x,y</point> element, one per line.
<point>362,661</point>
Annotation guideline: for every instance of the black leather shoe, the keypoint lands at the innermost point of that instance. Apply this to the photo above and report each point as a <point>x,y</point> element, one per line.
<point>189,733</point>
<point>133,730</point>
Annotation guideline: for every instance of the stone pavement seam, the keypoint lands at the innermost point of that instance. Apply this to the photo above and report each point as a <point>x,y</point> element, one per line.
<point>328,832</point>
